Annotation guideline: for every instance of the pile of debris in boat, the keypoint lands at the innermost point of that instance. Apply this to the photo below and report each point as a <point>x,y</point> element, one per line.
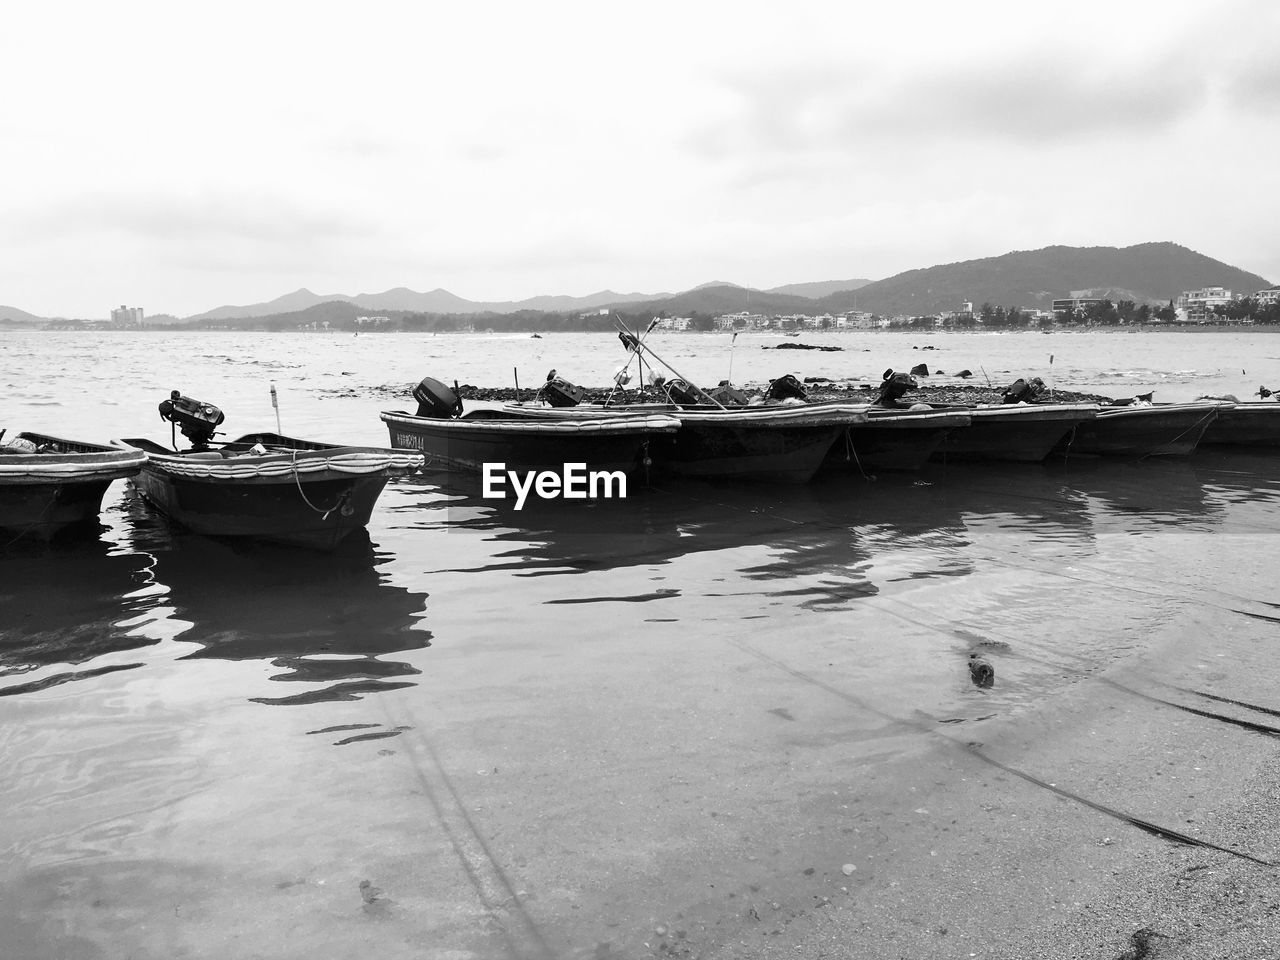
<point>818,388</point>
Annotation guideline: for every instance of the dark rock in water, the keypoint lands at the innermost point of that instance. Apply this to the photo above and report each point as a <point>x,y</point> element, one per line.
<point>920,370</point>
<point>818,380</point>
<point>965,373</point>
<point>804,346</point>
<point>981,672</point>
<point>939,372</point>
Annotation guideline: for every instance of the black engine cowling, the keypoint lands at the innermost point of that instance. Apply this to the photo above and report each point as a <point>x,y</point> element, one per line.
<point>195,419</point>
<point>559,392</point>
<point>893,387</point>
<point>787,387</point>
<point>1023,391</point>
<point>682,393</point>
<point>437,400</point>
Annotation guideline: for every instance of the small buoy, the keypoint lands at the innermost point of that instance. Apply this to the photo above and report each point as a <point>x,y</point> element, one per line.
<point>981,672</point>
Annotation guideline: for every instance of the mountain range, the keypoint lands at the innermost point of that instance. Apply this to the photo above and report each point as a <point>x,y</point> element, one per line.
<point>442,301</point>
<point>1146,272</point>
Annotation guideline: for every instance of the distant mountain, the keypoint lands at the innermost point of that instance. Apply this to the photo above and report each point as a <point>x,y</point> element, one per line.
<point>1153,272</point>
<point>434,301</point>
<point>820,288</point>
<point>14,315</point>
<point>727,298</point>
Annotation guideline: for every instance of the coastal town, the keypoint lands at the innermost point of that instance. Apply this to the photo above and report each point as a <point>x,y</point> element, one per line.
<point>1205,306</point>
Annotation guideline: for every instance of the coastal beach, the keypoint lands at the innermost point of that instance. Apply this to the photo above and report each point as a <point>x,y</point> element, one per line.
<point>710,720</point>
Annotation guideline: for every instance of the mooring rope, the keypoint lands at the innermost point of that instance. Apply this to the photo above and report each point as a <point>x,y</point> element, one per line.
<point>324,514</point>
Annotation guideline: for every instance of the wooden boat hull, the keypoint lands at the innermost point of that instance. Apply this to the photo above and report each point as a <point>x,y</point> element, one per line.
<point>771,444</point>
<point>526,443</point>
<point>892,440</point>
<point>1161,430</point>
<point>43,495</point>
<point>1249,424</point>
<point>727,449</point>
<point>1021,433</point>
<point>314,495</point>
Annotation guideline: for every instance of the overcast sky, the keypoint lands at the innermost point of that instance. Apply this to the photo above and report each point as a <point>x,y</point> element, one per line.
<point>178,156</point>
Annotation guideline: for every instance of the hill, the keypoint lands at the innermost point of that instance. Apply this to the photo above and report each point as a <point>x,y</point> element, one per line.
<point>411,301</point>
<point>728,298</point>
<point>817,289</point>
<point>16,316</point>
<point>1153,272</point>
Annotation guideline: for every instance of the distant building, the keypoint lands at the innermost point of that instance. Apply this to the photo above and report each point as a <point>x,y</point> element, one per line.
<point>1072,306</point>
<point>742,320</point>
<point>1198,305</point>
<point>1268,296</point>
<point>127,316</point>
<point>372,321</point>
<point>674,323</point>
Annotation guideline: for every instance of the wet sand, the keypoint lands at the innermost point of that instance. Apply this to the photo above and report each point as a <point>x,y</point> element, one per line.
<point>571,786</point>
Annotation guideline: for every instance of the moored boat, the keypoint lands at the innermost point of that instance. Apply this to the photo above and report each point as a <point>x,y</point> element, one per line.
<point>894,440</point>
<point>783,443</point>
<point>49,485</point>
<point>1143,430</point>
<point>264,486</point>
<point>446,435</point>
<point>1249,424</point>
<point>1018,429</point>
<point>778,444</point>
<point>1022,433</point>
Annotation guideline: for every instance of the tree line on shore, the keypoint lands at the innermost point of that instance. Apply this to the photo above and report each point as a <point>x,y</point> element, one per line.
<point>341,315</point>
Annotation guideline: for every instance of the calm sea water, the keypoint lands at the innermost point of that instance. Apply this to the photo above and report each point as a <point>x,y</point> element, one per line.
<point>552,733</point>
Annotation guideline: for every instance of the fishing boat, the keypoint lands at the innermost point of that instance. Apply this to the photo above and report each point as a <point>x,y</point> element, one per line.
<point>1021,434</point>
<point>894,440</point>
<point>263,486</point>
<point>446,435</point>
<point>1138,430</point>
<point>1252,423</point>
<point>49,485</point>
<point>777,443</point>
<point>1019,429</point>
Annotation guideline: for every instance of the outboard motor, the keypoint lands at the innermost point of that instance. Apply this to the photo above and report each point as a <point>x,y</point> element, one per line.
<point>559,392</point>
<point>682,393</point>
<point>436,400</point>
<point>728,395</point>
<point>893,387</point>
<point>786,387</point>
<point>195,419</point>
<point>1023,391</point>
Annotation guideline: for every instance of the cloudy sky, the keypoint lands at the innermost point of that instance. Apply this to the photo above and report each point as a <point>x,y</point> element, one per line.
<point>181,156</point>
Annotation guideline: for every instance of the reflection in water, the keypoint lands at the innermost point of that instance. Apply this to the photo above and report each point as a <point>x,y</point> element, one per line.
<point>68,603</point>
<point>1245,481</point>
<point>327,620</point>
<point>816,542</point>
<point>1155,493</point>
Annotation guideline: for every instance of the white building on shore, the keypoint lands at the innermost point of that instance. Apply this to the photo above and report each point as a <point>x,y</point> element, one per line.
<point>1197,305</point>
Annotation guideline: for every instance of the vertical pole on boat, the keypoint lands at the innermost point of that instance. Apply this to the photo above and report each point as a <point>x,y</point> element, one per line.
<point>731,343</point>
<point>1051,375</point>
<point>276,405</point>
<point>515,371</point>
